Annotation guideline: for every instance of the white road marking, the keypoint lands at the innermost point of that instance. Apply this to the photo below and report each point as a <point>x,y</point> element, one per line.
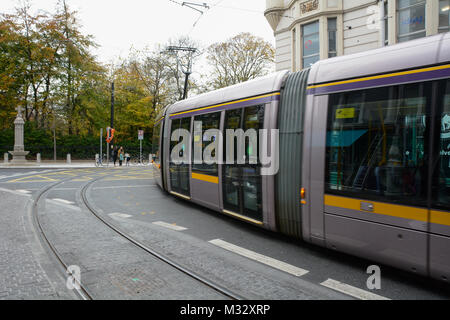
<point>1,177</point>
<point>114,187</point>
<point>15,192</point>
<point>23,191</point>
<point>169,226</point>
<point>280,265</point>
<point>352,291</point>
<point>63,204</point>
<point>120,215</point>
<point>63,201</point>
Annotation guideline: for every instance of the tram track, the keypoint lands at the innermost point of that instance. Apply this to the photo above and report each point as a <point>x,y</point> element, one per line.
<point>154,253</point>
<point>83,292</point>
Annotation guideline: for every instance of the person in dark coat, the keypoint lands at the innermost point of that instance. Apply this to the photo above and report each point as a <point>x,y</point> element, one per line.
<point>114,155</point>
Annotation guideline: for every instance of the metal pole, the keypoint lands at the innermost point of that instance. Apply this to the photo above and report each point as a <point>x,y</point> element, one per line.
<point>101,145</point>
<point>112,109</point>
<point>107,154</point>
<point>186,85</point>
<point>140,151</point>
<point>54,135</point>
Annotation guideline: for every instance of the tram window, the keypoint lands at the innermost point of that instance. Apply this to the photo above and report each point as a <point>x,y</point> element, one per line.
<point>232,121</point>
<point>253,119</point>
<point>155,142</point>
<point>208,121</point>
<point>174,126</point>
<point>377,144</point>
<point>441,179</point>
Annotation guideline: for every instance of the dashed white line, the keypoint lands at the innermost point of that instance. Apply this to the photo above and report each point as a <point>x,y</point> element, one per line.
<point>280,265</point>
<point>15,192</point>
<point>126,186</point>
<point>169,226</point>
<point>23,191</point>
<point>352,291</point>
<point>63,201</point>
<point>119,215</point>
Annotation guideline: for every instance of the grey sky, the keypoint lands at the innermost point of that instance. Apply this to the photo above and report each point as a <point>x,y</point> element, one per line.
<point>117,25</point>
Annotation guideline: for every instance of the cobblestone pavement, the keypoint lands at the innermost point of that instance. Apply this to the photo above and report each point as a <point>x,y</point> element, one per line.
<point>22,259</point>
<point>111,266</point>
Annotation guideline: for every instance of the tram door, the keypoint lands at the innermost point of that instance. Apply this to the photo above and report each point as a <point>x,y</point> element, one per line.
<point>179,173</point>
<point>440,192</point>
<point>242,181</point>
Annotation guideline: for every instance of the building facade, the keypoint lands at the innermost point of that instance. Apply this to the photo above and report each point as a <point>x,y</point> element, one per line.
<point>309,30</point>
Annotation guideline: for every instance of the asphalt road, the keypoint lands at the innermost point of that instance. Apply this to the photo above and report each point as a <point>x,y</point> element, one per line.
<point>254,263</point>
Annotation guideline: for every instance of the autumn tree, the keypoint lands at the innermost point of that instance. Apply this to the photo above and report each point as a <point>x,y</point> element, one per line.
<point>239,59</point>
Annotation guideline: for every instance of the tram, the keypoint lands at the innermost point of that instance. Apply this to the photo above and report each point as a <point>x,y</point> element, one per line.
<point>363,154</point>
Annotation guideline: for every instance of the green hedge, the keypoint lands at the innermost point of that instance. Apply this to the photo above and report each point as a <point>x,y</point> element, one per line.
<point>80,147</point>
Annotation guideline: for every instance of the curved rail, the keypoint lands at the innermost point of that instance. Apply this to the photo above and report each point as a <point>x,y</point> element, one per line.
<point>161,257</point>
<point>82,291</point>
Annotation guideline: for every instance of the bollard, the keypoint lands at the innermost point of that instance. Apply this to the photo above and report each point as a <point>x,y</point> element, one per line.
<point>5,158</point>
<point>38,158</point>
<point>150,158</point>
<point>69,161</point>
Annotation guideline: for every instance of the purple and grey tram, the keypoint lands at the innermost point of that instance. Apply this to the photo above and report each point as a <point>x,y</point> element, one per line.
<point>364,154</point>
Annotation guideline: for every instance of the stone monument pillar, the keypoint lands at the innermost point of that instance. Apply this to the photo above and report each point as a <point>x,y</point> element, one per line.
<point>19,152</point>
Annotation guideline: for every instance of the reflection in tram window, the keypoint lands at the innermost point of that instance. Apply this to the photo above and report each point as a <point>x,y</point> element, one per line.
<point>442,183</point>
<point>208,121</point>
<point>377,143</point>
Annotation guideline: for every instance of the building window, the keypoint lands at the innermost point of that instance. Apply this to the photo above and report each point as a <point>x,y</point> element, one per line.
<point>444,16</point>
<point>411,19</point>
<point>386,23</point>
<point>310,39</point>
<point>332,28</point>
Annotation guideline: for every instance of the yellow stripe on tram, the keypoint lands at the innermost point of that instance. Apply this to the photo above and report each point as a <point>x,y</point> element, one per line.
<point>205,177</point>
<point>440,217</point>
<point>227,103</point>
<point>447,66</point>
<point>386,209</point>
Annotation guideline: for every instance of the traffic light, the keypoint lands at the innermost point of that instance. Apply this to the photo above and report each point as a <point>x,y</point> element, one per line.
<point>110,134</point>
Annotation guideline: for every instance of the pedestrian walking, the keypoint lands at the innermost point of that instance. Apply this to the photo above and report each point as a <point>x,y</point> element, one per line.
<point>121,156</point>
<point>127,158</point>
<point>114,155</point>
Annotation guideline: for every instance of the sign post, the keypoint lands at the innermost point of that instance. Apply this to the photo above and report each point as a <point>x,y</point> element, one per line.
<point>108,130</point>
<point>140,137</point>
<point>109,136</point>
<point>101,145</point>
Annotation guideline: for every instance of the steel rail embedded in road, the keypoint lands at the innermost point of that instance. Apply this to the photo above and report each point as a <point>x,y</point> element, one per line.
<point>160,256</point>
<point>82,292</point>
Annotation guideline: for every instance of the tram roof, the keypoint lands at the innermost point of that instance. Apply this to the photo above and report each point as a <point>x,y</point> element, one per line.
<point>255,87</point>
<point>402,56</point>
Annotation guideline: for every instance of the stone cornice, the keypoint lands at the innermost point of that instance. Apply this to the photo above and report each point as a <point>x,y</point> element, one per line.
<point>323,13</point>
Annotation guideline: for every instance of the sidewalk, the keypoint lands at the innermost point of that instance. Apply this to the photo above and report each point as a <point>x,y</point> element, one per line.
<point>26,269</point>
<point>59,164</point>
